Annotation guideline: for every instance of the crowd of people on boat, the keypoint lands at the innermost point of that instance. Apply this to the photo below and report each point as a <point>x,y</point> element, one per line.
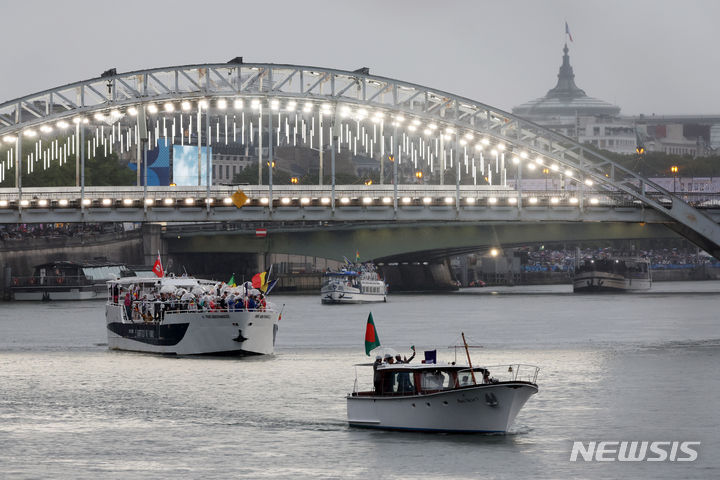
<point>152,305</point>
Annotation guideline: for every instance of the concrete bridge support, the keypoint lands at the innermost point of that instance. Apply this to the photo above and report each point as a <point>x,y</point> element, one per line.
<point>153,243</point>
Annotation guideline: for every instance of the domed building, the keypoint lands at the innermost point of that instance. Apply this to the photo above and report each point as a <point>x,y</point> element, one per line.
<point>566,99</point>
<point>568,110</point>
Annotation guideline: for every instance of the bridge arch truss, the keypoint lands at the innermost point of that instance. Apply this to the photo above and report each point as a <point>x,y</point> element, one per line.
<point>404,126</point>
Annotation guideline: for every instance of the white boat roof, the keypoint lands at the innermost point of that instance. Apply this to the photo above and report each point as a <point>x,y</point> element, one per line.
<point>173,281</point>
<point>421,366</point>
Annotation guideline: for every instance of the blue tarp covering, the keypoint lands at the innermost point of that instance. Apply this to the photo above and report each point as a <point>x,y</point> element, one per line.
<point>341,274</point>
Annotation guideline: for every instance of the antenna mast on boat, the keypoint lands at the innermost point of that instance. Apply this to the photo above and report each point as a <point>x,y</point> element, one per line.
<point>467,352</point>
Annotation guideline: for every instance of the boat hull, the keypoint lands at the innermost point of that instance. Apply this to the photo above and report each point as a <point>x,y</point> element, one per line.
<point>608,282</point>
<point>194,333</point>
<point>350,296</point>
<point>476,409</point>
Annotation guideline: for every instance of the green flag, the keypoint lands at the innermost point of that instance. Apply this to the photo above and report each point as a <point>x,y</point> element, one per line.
<point>371,337</point>
<point>231,282</point>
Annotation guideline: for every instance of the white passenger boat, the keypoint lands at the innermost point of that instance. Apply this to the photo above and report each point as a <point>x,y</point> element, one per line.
<point>64,280</point>
<point>441,397</point>
<point>185,316</point>
<point>356,285</point>
<point>612,275</point>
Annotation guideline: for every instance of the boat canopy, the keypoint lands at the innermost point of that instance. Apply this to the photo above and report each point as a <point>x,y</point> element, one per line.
<point>348,273</point>
<point>184,282</point>
<point>447,367</point>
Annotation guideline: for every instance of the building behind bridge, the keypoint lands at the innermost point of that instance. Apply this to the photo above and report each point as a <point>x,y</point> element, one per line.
<point>568,110</point>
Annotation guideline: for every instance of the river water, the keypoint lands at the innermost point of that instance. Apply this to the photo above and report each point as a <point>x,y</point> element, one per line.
<point>613,368</point>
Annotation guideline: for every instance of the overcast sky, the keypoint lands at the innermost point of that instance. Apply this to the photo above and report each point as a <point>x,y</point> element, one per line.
<point>647,56</point>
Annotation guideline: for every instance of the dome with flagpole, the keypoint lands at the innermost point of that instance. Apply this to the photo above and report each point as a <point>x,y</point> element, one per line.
<point>566,99</point>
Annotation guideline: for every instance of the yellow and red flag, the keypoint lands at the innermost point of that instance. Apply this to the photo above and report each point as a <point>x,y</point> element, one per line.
<point>258,280</point>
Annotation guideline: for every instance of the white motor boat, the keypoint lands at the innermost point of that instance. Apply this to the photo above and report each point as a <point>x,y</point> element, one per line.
<point>612,275</point>
<point>63,280</point>
<point>182,318</point>
<point>361,285</point>
<point>440,397</point>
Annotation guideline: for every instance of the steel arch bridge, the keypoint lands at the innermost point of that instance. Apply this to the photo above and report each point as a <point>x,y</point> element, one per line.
<point>403,126</point>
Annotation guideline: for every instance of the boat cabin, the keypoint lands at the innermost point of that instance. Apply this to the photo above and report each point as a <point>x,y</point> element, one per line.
<point>63,273</point>
<point>59,273</point>
<point>349,277</point>
<point>421,379</point>
<point>628,267</point>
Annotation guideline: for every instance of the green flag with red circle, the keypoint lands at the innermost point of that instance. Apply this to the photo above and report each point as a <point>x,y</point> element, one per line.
<point>371,337</point>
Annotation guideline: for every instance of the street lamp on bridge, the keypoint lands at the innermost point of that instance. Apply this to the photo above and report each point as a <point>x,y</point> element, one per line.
<point>674,170</point>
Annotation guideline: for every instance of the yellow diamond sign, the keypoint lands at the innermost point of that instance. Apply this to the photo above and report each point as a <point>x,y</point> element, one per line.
<point>239,198</point>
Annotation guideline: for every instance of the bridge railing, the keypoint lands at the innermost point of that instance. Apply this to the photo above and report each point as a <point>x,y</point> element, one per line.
<point>346,195</point>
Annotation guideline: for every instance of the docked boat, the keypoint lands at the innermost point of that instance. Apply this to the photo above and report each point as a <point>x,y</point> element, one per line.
<point>442,397</point>
<point>188,316</point>
<point>612,275</point>
<point>361,284</point>
<point>66,281</point>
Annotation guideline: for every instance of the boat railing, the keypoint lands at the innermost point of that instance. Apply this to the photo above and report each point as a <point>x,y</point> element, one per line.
<point>180,308</point>
<point>215,310</point>
<point>51,281</point>
<point>514,372</point>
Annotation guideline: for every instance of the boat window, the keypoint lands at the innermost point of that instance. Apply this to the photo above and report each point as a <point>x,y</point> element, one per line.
<point>398,382</point>
<point>435,380</point>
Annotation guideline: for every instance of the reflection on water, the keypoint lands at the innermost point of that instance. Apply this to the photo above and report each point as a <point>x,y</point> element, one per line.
<point>613,367</point>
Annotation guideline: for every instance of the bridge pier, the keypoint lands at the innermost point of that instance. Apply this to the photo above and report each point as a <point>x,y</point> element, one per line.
<point>152,243</point>
<point>6,282</point>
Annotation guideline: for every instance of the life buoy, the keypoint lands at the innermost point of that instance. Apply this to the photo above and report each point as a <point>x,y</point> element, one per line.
<point>32,281</point>
<point>16,281</point>
<point>60,280</point>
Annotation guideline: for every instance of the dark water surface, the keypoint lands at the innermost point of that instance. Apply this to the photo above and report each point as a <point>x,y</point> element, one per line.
<point>613,368</point>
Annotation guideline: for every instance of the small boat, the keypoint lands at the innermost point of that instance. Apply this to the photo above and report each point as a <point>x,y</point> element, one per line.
<point>187,316</point>
<point>361,284</point>
<point>612,275</point>
<point>442,397</point>
<point>66,280</point>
